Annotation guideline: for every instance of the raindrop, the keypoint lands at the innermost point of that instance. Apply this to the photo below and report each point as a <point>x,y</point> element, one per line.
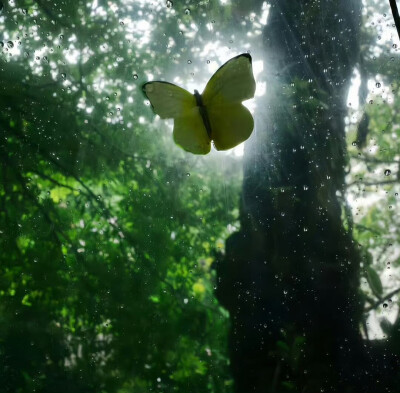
<point>10,44</point>
<point>371,101</point>
<point>208,62</point>
<point>388,172</point>
<point>189,61</point>
<point>61,37</point>
<point>1,6</point>
<point>63,75</point>
<point>169,3</point>
<point>187,11</point>
<point>188,174</point>
<point>1,44</point>
<point>385,305</point>
<point>354,143</point>
<point>135,76</point>
<point>378,85</point>
<point>121,23</point>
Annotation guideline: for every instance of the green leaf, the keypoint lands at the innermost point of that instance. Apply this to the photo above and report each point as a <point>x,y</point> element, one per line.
<point>374,281</point>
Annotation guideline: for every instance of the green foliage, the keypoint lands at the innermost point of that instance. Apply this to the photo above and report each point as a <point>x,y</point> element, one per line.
<point>107,228</point>
<point>374,162</point>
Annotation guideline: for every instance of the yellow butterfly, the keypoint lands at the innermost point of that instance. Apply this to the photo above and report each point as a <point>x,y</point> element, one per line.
<point>215,115</point>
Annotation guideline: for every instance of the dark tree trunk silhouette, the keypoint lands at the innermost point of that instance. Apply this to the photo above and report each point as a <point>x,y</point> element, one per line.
<point>290,276</point>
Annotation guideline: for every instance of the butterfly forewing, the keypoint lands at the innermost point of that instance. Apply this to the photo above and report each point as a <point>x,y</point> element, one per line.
<point>168,100</point>
<point>232,82</point>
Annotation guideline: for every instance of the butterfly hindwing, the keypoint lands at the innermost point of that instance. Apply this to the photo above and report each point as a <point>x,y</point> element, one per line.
<point>190,133</point>
<point>231,124</point>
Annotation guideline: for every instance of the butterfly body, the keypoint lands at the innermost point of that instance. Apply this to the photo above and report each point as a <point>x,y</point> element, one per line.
<point>203,113</point>
<point>215,115</point>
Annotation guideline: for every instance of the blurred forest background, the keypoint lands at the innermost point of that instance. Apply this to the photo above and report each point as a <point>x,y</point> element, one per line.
<point>114,240</point>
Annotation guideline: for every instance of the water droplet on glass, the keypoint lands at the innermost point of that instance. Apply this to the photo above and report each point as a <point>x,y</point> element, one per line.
<point>189,61</point>
<point>208,62</point>
<point>388,172</point>
<point>63,75</point>
<point>61,37</point>
<point>354,143</point>
<point>378,85</point>
<point>1,44</point>
<point>188,174</point>
<point>10,44</point>
<point>135,76</point>
<point>169,3</point>
<point>187,11</point>
<point>371,101</point>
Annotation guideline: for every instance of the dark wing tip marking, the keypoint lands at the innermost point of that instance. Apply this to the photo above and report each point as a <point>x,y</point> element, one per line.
<point>246,55</point>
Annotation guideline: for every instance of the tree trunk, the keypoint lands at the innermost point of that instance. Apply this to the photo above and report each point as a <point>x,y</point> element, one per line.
<point>290,277</point>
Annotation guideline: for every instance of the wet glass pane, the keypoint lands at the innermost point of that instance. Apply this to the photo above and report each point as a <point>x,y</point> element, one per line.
<point>199,196</point>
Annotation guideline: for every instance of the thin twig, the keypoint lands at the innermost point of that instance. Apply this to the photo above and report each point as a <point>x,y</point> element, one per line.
<point>372,160</point>
<point>378,183</point>
<point>396,15</point>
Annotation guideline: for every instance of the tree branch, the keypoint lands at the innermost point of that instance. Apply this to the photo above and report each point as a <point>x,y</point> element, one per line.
<point>43,176</point>
<point>380,301</point>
